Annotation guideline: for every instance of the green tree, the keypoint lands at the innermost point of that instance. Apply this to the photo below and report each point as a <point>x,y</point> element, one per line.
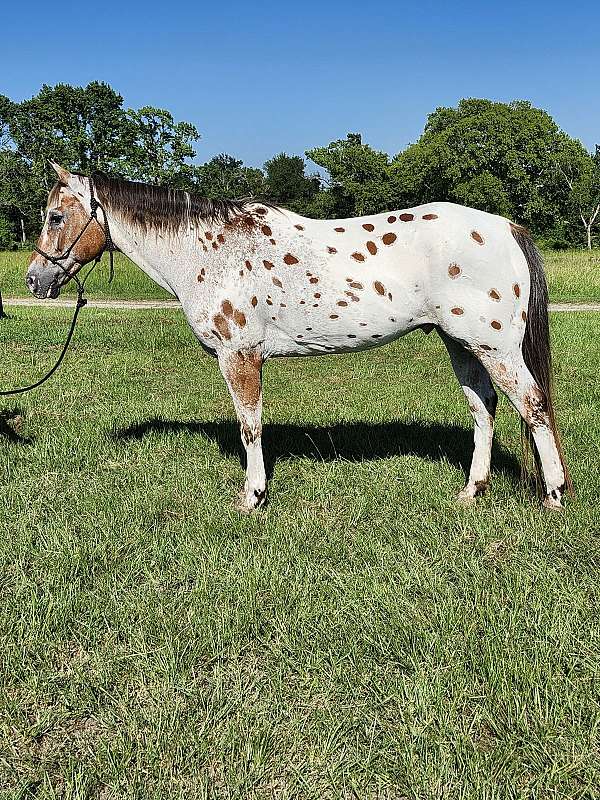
<point>85,129</point>
<point>288,184</point>
<point>359,176</point>
<point>581,174</point>
<point>155,148</point>
<point>81,128</point>
<point>226,177</point>
<point>495,156</point>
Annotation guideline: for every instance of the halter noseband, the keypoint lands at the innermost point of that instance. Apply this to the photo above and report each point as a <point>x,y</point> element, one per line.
<point>108,245</point>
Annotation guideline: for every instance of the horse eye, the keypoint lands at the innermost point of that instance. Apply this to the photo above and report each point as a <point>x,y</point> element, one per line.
<point>55,219</point>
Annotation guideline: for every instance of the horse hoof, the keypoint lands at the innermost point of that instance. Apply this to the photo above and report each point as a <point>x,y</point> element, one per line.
<point>465,499</point>
<point>551,504</point>
<point>246,505</point>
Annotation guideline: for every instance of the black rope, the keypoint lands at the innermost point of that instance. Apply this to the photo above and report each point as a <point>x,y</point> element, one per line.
<point>81,300</point>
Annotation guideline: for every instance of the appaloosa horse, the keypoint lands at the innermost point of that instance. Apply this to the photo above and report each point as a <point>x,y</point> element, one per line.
<point>256,281</point>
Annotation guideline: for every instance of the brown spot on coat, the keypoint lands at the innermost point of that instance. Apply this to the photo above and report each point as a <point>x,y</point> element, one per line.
<point>496,325</point>
<point>227,308</point>
<point>222,326</point>
<point>299,227</point>
<point>389,238</point>
<point>331,250</point>
<point>244,376</point>
<point>379,287</point>
<point>342,303</point>
<point>314,280</point>
<point>368,227</point>
<point>457,310</point>
<point>261,210</point>
<point>358,256</point>
<point>485,347</point>
<point>221,238</point>
<point>208,235</point>
<point>239,318</point>
<point>524,316</point>
<point>392,219</point>
<point>268,264</point>
<point>333,316</point>
<point>407,217</point>
<point>517,290</point>
<point>372,248</point>
<point>339,230</point>
<point>277,282</point>
<point>289,259</point>
<point>477,237</point>
<point>430,216</point>
<point>266,230</point>
<point>454,270</point>
<point>254,301</point>
<point>248,266</point>
<point>494,294</point>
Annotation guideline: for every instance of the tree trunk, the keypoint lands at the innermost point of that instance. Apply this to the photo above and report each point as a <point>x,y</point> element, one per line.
<point>23,237</point>
<point>2,314</point>
<point>588,228</point>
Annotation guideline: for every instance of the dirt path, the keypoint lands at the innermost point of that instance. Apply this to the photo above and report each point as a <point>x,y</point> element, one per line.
<point>138,305</point>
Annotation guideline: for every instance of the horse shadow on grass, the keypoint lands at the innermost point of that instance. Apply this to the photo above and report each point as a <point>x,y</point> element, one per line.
<point>350,441</point>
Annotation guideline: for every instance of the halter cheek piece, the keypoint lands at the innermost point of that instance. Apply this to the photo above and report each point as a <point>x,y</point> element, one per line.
<point>81,301</point>
<point>108,245</point>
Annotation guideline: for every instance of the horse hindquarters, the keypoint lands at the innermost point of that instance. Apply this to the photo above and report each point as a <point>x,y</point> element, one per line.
<point>513,344</point>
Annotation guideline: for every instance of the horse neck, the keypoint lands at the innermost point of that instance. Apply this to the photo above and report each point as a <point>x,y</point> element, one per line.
<point>158,254</point>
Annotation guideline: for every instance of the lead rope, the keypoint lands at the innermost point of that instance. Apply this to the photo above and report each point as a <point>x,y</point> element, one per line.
<point>81,300</point>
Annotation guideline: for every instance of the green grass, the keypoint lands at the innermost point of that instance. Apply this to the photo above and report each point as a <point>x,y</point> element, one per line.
<point>573,276</point>
<point>363,637</point>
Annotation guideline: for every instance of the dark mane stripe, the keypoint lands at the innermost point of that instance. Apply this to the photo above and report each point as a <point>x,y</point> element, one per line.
<point>159,207</point>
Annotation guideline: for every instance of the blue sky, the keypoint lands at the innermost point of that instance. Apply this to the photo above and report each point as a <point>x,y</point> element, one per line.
<point>258,78</point>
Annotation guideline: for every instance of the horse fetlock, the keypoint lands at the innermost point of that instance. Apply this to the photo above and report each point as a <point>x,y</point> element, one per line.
<point>472,490</point>
<point>251,499</point>
<point>553,500</point>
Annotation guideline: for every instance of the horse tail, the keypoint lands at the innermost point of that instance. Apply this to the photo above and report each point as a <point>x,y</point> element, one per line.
<point>536,342</point>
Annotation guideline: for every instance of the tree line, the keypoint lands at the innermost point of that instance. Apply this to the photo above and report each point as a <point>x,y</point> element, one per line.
<point>506,158</point>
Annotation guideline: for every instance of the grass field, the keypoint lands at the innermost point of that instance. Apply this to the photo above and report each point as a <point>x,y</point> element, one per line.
<point>363,637</point>
<point>573,276</point>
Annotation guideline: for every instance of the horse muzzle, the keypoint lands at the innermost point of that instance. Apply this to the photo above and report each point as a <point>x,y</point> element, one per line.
<point>44,281</point>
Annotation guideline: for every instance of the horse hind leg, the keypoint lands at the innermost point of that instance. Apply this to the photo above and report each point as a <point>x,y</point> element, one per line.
<point>516,381</point>
<point>482,399</point>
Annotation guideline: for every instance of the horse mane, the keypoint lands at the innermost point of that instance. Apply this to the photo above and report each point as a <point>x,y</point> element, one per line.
<point>161,208</point>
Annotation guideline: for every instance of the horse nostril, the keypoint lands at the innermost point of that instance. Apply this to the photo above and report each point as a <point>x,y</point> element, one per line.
<point>31,281</point>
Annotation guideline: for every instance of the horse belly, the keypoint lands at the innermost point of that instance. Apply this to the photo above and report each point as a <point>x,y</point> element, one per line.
<point>346,313</point>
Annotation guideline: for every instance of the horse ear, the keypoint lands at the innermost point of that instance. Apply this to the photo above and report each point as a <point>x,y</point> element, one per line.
<point>64,175</point>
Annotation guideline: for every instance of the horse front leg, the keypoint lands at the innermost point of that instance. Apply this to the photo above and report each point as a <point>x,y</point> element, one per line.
<point>242,370</point>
